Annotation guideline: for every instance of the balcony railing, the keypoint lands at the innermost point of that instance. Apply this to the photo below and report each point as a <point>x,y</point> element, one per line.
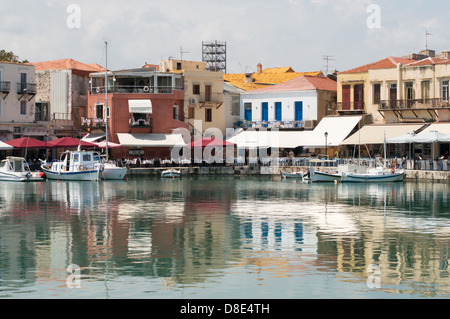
<point>5,87</point>
<point>211,97</point>
<point>351,106</point>
<point>436,103</point>
<point>131,89</point>
<point>93,122</point>
<point>26,88</point>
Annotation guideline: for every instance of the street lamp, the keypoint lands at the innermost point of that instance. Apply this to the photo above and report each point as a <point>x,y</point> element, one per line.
<point>326,144</point>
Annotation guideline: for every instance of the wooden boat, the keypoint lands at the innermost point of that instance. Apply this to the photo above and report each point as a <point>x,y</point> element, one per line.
<point>299,174</point>
<point>16,169</point>
<point>74,166</point>
<point>171,173</point>
<point>323,177</point>
<point>375,175</point>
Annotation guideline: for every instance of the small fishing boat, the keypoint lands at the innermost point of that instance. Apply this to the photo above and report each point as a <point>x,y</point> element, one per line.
<point>374,175</point>
<point>74,166</point>
<point>113,172</point>
<point>298,175</point>
<point>171,173</point>
<point>317,176</point>
<point>16,169</point>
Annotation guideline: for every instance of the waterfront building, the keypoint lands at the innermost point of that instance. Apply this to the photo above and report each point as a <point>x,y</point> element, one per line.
<point>299,103</point>
<point>204,98</point>
<point>18,115</point>
<point>398,95</point>
<point>61,94</point>
<point>145,106</point>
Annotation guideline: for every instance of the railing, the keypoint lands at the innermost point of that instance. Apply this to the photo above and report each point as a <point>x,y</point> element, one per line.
<point>26,88</point>
<point>350,106</point>
<point>93,122</point>
<point>270,124</point>
<point>211,97</point>
<point>141,122</point>
<point>414,104</point>
<point>131,89</point>
<point>5,87</point>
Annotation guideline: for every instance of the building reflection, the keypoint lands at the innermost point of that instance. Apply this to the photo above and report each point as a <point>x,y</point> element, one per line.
<point>187,232</point>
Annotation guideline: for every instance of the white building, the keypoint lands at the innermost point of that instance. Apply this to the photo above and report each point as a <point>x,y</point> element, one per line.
<point>299,103</point>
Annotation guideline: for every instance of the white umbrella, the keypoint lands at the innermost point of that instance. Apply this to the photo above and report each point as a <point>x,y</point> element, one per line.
<point>5,147</point>
<point>444,138</point>
<point>427,137</point>
<point>402,139</point>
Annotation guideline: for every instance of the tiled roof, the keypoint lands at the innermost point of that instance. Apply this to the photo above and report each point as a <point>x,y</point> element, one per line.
<point>268,77</point>
<point>429,61</point>
<point>302,83</point>
<point>390,62</point>
<point>67,64</point>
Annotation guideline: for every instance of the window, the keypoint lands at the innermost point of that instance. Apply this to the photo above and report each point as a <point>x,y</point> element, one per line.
<point>99,111</point>
<point>409,93</point>
<point>196,89</point>
<point>208,115</point>
<point>76,157</point>
<point>393,95</point>
<point>23,107</point>
<point>376,93</point>
<point>191,112</point>
<point>175,112</point>
<point>235,106</point>
<point>445,90</point>
<point>178,66</point>
<point>86,157</point>
<point>208,93</point>
<point>41,111</point>
<point>425,90</point>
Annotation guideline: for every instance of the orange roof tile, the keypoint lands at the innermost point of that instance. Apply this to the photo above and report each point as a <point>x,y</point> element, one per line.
<point>390,62</point>
<point>302,83</point>
<point>67,64</point>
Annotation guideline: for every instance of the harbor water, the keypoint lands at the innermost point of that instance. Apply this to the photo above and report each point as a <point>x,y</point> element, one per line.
<point>224,237</point>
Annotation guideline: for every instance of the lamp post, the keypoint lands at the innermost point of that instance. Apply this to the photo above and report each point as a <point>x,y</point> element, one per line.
<point>326,144</point>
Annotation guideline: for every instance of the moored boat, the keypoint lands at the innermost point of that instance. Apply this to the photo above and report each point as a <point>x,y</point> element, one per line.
<point>16,169</point>
<point>299,174</point>
<point>375,175</point>
<point>317,176</point>
<point>74,166</point>
<point>113,172</point>
<point>171,173</point>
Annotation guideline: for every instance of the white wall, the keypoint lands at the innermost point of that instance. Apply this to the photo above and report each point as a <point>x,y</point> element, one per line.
<point>288,99</point>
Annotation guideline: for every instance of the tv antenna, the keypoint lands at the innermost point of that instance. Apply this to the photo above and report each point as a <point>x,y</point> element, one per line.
<point>181,53</point>
<point>328,58</point>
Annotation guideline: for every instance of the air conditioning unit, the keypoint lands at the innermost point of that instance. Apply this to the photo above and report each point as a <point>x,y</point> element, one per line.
<point>310,124</point>
<point>192,101</point>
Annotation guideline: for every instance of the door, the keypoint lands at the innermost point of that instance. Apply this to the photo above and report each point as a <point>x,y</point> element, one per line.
<point>278,112</point>
<point>346,97</point>
<point>248,111</point>
<point>298,111</point>
<point>359,97</point>
<point>23,82</point>
<point>265,111</point>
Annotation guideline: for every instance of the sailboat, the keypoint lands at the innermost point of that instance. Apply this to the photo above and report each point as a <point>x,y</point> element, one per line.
<point>110,170</point>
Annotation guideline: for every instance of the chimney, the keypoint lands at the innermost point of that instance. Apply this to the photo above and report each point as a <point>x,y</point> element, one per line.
<point>259,68</point>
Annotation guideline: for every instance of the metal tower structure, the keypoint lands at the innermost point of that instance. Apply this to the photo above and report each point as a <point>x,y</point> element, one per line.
<point>214,54</point>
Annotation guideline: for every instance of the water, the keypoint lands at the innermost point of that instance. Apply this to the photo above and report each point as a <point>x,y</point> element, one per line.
<point>224,237</point>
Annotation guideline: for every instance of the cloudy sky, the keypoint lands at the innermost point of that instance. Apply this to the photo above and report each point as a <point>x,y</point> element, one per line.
<point>296,33</point>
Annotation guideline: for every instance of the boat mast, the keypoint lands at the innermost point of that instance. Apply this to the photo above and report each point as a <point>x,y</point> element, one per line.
<point>106,99</point>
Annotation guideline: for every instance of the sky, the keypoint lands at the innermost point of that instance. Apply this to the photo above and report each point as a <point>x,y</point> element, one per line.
<point>295,33</point>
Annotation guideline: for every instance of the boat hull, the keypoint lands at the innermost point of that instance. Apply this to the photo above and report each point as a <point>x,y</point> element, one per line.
<point>367,178</point>
<point>293,175</point>
<point>170,174</point>
<point>114,173</point>
<point>321,177</point>
<point>91,175</point>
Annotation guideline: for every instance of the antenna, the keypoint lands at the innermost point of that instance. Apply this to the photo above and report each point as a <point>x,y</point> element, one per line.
<point>181,53</point>
<point>426,38</point>
<point>328,58</point>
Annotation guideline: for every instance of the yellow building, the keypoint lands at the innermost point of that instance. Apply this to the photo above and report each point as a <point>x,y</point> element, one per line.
<point>203,98</point>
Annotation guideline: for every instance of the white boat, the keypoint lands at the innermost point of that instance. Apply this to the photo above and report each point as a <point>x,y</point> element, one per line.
<point>374,175</point>
<point>74,166</point>
<point>317,176</point>
<point>16,169</point>
<point>113,172</point>
<point>299,174</point>
<point>171,173</point>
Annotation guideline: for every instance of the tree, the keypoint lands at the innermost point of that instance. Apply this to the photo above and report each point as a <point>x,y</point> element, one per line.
<point>10,57</point>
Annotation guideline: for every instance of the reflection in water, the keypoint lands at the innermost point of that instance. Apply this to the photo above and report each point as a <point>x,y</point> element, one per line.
<point>223,237</point>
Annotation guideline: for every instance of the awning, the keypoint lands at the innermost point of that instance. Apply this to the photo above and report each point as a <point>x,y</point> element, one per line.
<point>93,137</point>
<point>269,139</point>
<point>140,106</point>
<point>439,127</point>
<point>5,147</point>
<point>374,134</point>
<point>151,140</point>
<point>338,129</point>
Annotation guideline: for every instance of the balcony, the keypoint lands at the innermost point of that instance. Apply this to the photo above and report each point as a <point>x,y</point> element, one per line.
<point>26,88</point>
<point>5,87</point>
<point>418,104</point>
<point>131,89</point>
<point>349,108</point>
<point>93,123</point>
<point>62,120</point>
